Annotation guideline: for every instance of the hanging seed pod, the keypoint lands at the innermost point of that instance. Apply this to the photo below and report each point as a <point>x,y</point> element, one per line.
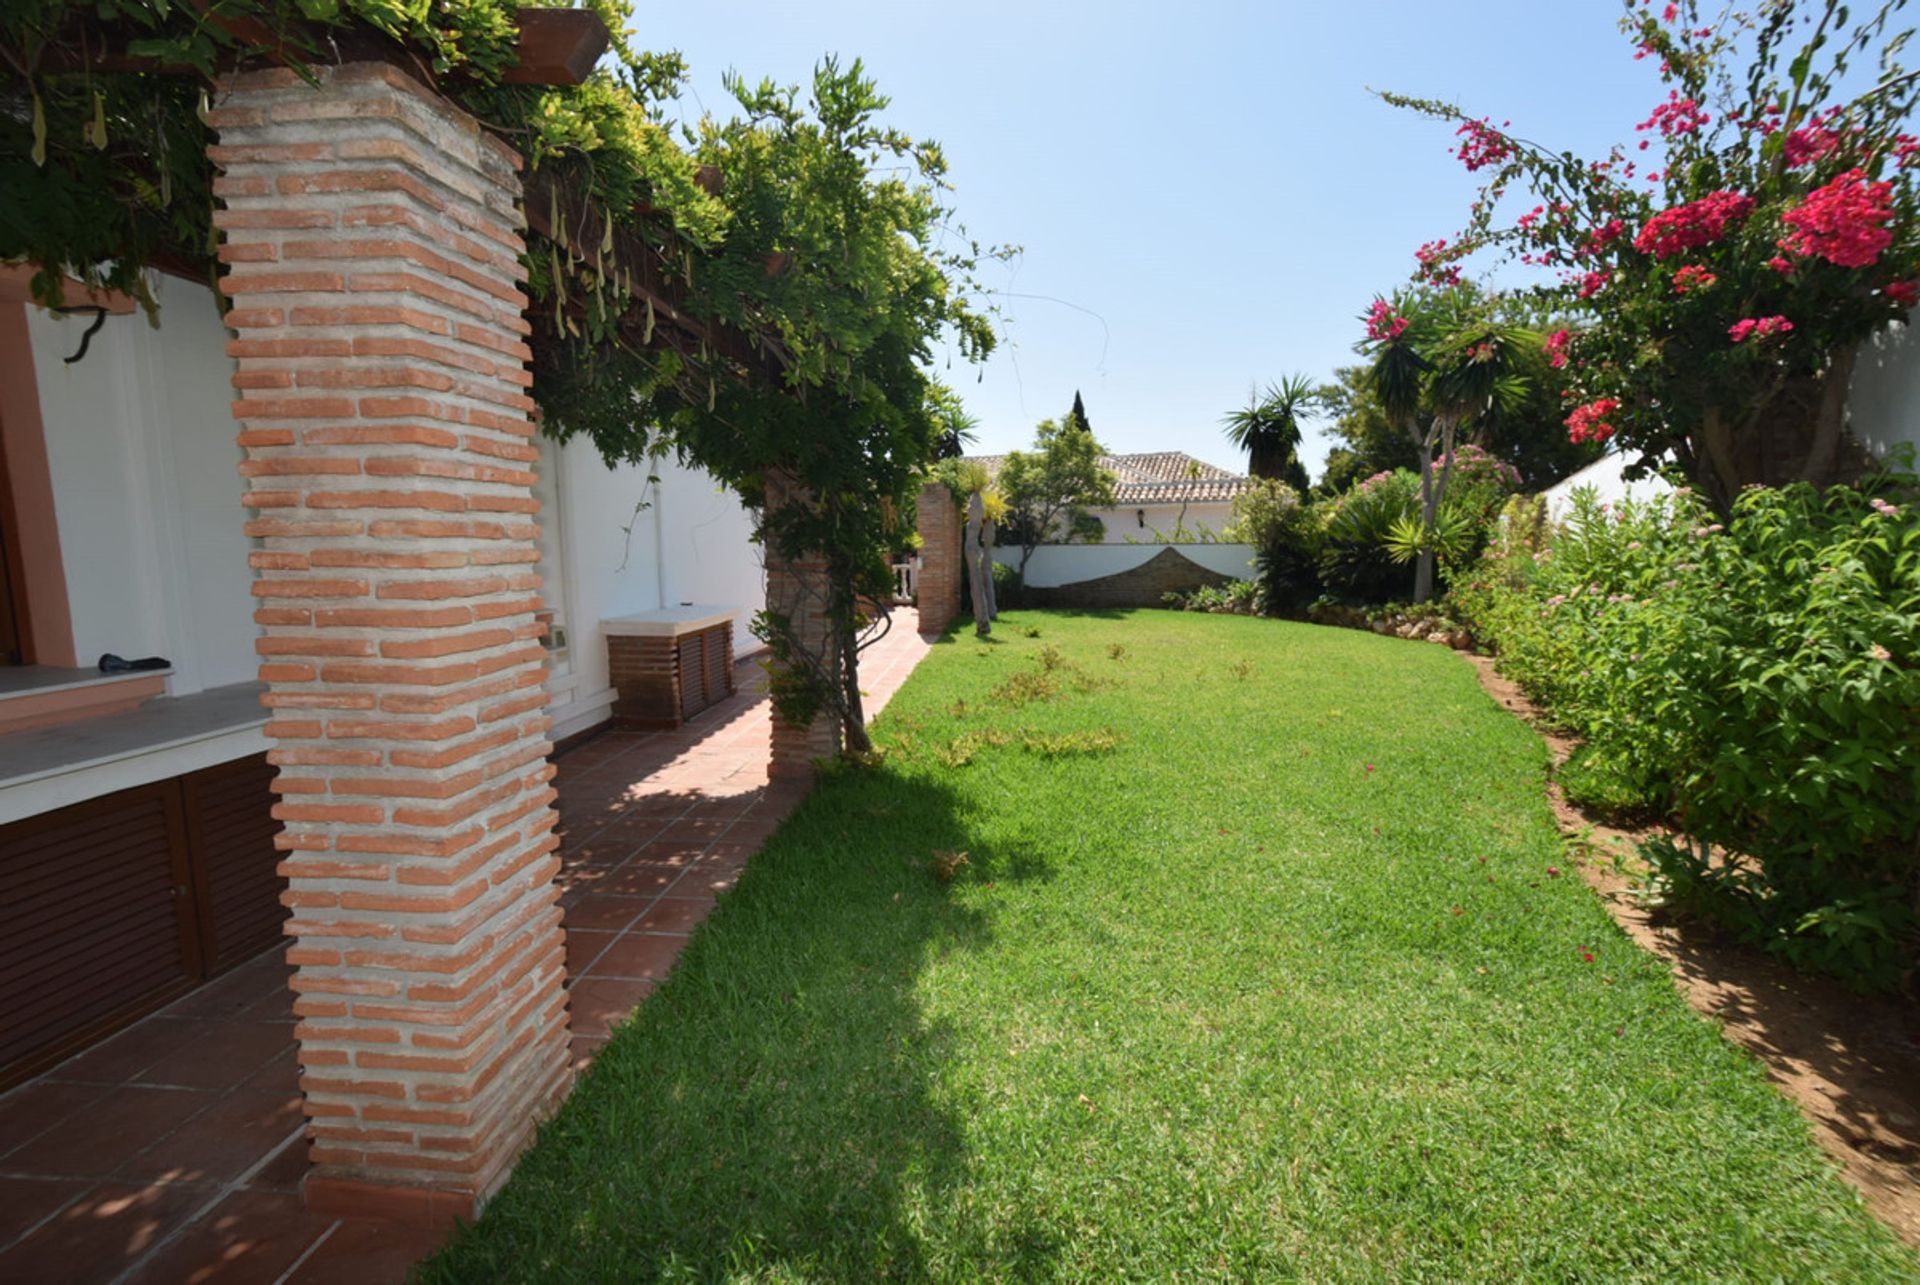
<point>99,121</point>
<point>712,393</point>
<point>646,336</point>
<point>559,279</point>
<point>203,108</point>
<point>606,237</point>
<point>39,131</point>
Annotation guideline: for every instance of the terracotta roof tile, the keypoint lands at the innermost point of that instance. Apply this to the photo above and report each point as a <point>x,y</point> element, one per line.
<point>1156,477</point>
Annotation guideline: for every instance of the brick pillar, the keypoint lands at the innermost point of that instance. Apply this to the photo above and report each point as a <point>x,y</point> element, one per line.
<point>938,586</point>
<point>372,249</point>
<point>797,589</point>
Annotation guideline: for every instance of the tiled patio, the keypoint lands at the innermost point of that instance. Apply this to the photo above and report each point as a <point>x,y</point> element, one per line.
<point>173,1151</point>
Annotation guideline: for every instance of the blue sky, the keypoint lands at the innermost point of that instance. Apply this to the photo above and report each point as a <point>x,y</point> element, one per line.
<point>1208,189</point>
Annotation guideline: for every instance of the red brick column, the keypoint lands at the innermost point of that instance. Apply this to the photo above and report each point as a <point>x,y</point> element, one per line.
<point>371,242</point>
<point>797,590</point>
<point>938,585</point>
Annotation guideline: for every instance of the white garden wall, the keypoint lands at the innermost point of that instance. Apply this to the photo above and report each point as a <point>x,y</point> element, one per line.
<point>1054,565</point>
<point>1156,522</point>
<point>1884,411</point>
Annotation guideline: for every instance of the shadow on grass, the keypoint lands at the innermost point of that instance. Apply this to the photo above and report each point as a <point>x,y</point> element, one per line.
<point>779,1105</point>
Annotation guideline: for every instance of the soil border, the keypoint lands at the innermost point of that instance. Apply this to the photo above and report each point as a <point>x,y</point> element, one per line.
<point>1851,1063</point>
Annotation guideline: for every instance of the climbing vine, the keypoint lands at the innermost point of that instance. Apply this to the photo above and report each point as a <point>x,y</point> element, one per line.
<point>812,236</point>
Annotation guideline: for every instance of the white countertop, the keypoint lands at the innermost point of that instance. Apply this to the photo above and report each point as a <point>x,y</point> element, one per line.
<point>669,622</point>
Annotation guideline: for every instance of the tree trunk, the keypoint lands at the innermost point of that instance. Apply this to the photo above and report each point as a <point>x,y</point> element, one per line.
<point>853,719</point>
<point>1833,417</point>
<point>1423,562</point>
<point>970,544</point>
<point>988,530</point>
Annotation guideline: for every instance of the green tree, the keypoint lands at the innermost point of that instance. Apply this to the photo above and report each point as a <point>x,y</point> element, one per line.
<point>1268,427</point>
<point>1046,487</point>
<point>1078,415</point>
<point>1442,361</point>
<point>954,425</point>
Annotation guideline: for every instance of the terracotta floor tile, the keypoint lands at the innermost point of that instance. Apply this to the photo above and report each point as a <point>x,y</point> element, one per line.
<point>585,1049</point>
<point>365,1252</point>
<point>24,1202</point>
<point>103,1233</point>
<point>229,996</point>
<point>609,912</point>
<point>642,879</point>
<point>38,1105</point>
<point>583,947</point>
<point>281,1074</point>
<point>285,1171</point>
<point>638,955</point>
<point>221,1058</point>
<point>251,1236</point>
<point>133,1050</point>
<point>598,1004</point>
<point>107,1134</point>
<point>674,915</point>
<point>223,1142</point>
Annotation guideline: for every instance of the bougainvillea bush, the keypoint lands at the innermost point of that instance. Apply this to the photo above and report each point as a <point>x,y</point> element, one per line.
<point>1725,263</point>
<point>1758,676</point>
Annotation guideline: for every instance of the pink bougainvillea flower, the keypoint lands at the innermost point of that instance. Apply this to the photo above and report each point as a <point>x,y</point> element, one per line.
<point>1369,767</point>
<point>1692,277</point>
<point>1484,145</point>
<point>1589,423</point>
<point>1675,116</point>
<point>1556,347</point>
<point>1843,222</point>
<point>1690,226</point>
<point>1553,872</point>
<point>1382,324</point>
<point>1904,293</point>
<point>1592,283</point>
<point>1781,264</point>
<point>1758,328</point>
<point>1587,955</point>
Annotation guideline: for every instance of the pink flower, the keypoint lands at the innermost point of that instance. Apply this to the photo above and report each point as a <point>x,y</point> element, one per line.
<point>1382,324</point>
<point>1484,146</point>
<point>1675,116</point>
<point>1589,423</point>
<point>1689,226</point>
<point>1844,222</point>
<point>1369,767</point>
<point>1758,328</point>
<point>1781,264</point>
<point>1592,283</point>
<point>1879,653</point>
<point>1904,293</point>
<point>1553,872</point>
<point>1556,348</point>
<point>1884,509</point>
<point>1692,277</point>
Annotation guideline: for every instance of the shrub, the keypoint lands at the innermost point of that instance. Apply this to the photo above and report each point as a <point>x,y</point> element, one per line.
<point>1353,560</point>
<point>1009,587</point>
<point>1270,516</point>
<point>1761,679</point>
<point>1236,597</point>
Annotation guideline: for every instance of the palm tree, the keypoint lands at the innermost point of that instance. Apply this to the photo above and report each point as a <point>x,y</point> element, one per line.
<point>1268,429</point>
<point>1450,366</point>
<point>953,426</point>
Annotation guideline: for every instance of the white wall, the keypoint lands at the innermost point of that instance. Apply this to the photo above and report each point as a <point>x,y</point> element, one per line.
<point>1605,477</point>
<point>1053,565</point>
<point>602,559</point>
<point>141,448</point>
<point>1125,523</point>
<point>1884,405</point>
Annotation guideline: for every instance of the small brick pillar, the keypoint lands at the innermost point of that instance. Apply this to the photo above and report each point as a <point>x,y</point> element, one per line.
<point>372,249</point>
<point>797,589</point>
<point>938,585</point>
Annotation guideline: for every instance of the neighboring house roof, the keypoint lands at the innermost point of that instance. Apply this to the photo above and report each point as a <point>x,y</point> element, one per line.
<point>1156,477</point>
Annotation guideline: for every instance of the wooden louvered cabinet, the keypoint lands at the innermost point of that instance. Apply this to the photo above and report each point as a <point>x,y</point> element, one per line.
<point>111,907</point>
<point>670,664</point>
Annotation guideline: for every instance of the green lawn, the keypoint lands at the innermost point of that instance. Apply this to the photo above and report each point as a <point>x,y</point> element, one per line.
<point>1279,985</point>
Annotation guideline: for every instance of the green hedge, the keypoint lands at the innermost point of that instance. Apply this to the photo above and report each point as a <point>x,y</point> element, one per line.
<point>1757,681</point>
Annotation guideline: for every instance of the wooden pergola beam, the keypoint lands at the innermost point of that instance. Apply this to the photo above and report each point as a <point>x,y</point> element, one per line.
<point>554,47</point>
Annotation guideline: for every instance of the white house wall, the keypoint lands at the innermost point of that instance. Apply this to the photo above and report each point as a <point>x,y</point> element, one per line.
<point>140,445</point>
<point>1884,410</point>
<point>142,456</point>
<point>1128,524</point>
